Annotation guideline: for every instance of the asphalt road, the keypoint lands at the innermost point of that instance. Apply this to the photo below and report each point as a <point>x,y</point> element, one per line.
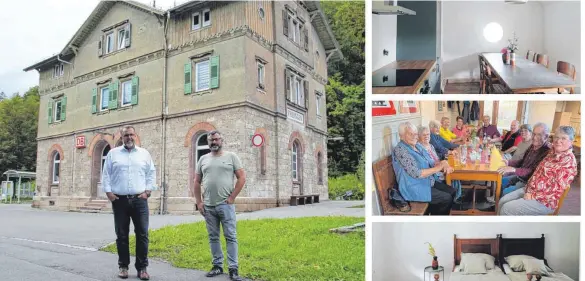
<point>59,246</point>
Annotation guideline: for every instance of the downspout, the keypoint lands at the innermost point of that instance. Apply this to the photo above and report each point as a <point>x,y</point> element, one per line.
<point>164,119</point>
<point>276,96</point>
<point>73,172</point>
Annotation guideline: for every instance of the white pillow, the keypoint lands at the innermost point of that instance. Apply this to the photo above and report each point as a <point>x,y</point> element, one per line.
<point>515,261</point>
<point>474,265</point>
<point>534,266</point>
<point>489,260</point>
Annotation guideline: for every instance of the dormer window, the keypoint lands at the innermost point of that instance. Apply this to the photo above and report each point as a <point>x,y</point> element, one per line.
<point>58,70</point>
<point>115,38</point>
<point>200,19</point>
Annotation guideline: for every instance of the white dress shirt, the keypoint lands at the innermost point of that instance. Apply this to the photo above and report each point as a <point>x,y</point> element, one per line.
<point>128,172</point>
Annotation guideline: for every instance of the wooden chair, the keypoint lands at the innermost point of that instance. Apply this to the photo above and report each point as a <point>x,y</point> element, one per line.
<point>541,59</point>
<point>530,55</point>
<point>493,85</point>
<point>569,70</point>
<point>561,200</point>
<point>385,180</point>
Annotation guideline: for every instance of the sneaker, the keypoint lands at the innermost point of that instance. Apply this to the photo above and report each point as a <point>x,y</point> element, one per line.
<point>215,271</point>
<point>234,275</point>
<point>143,275</point>
<point>123,272</point>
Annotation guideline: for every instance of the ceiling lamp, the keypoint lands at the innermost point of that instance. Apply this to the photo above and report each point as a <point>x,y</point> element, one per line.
<point>516,1</point>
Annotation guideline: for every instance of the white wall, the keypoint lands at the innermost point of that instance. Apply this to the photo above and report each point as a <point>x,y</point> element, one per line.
<point>541,111</point>
<point>463,40</point>
<point>384,31</point>
<point>562,34</point>
<point>400,252</point>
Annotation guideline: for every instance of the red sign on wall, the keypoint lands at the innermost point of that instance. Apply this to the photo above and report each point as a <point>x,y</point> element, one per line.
<point>80,142</point>
<point>383,108</point>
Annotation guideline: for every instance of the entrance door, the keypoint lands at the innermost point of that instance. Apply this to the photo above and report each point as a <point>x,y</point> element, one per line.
<point>99,160</point>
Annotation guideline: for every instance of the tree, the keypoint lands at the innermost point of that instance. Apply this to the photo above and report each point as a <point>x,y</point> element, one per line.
<point>346,88</point>
<point>18,131</point>
<point>2,96</point>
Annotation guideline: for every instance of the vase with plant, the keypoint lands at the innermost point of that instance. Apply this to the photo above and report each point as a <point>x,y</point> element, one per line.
<point>513,47</point>
<point>435,263</point>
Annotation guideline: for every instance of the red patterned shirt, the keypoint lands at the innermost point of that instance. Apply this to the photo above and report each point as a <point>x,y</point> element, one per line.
<point>551,177</point>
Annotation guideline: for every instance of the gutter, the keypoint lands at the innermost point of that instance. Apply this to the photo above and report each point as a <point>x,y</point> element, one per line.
<point>59,59</point>
<point>276,119</point>
<point>164,108</point>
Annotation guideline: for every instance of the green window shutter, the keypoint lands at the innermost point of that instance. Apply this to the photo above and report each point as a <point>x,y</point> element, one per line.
<point>287,84</point>
<point>114,95</point>
<point>50,111</point>
<point>285,23</point>
<point>306,93</point>
<point>134,90</point>
<point>214,64</point>
<point>188,85</point>
<point>94,100</point>
<point>63,108</point>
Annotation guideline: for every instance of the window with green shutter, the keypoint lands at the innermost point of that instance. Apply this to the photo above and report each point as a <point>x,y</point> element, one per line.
<point>214,60</point>
<point>135,90</point>
<point>113,104</point>
<point>188,85</point>
<point>50,111</point>
<point>93,100</point>
<point>63,108</point>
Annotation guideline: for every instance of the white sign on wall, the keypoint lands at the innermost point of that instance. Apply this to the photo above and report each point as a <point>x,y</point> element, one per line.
<point>296,116</point>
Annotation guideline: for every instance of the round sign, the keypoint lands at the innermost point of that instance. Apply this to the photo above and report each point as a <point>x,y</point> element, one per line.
<point>257,140</point>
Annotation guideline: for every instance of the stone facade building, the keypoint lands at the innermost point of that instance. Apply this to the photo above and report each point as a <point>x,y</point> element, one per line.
<point>244,68</point>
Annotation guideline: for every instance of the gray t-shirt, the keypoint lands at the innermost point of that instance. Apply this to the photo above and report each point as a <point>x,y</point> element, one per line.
<point>521,150</point>
<point>218,173</point>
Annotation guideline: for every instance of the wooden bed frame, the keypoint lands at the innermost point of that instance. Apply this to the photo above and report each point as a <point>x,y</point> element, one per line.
<point>521,246</point>
<point>490,246</point>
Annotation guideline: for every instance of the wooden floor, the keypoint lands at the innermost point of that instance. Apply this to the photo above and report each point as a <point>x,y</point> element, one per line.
<point>461,88</point>
<point>572,204</point>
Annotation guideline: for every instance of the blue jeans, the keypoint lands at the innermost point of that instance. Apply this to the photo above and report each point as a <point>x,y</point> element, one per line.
<point>514,204</point>
<point>509,184</point>
<point>226,215</point>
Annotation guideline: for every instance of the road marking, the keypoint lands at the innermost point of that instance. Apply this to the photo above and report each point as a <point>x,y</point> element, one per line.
<point>52,243</point>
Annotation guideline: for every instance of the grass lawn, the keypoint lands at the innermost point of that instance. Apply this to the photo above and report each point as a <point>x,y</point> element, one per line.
<point>269,249</point>
<point>358,206</point>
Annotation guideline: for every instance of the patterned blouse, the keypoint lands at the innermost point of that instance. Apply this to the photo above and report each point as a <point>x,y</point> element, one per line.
<point>431,150</point>
<point>552,176</point>
<point>408,162</point>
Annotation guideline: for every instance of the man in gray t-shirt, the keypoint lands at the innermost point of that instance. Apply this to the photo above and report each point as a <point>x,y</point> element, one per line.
<point>216,171</point>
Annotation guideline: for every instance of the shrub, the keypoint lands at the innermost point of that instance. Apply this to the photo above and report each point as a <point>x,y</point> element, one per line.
<point>349,182</point>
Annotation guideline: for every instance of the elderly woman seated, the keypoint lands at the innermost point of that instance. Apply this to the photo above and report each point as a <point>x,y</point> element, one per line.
<point>526,134</point>
<point>553,175</point>
<point>418,174</point>
<point>442,146</point>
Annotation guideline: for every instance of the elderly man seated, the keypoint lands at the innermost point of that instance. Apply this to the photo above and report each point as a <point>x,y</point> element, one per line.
<point>441,145</point>
<point>517,172</point>
<point>545,187</point>
<point>418,174</point>
<point>487,129</point>
<point>446,133</point>
<point>511,139</point>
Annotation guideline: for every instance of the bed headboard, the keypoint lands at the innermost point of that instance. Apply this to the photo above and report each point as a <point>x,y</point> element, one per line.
<point>488,246</point>
<point>521,246</point>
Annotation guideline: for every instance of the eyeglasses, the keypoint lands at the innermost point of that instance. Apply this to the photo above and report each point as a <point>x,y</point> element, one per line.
<point>562,138</point>
<point>215,139</point>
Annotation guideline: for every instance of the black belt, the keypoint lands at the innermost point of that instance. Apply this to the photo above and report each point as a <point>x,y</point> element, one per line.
<point>128,196</point>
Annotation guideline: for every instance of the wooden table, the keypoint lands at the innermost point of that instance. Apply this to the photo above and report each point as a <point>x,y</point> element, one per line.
<point>527,76</point>
<point>478,172</point>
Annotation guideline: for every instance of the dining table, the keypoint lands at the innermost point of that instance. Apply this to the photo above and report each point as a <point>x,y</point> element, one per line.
<point>477,171</point>
<point>526,76</point>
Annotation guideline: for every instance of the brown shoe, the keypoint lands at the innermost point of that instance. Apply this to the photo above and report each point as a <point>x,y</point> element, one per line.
<point>123,273</point>
<point>143,275</point>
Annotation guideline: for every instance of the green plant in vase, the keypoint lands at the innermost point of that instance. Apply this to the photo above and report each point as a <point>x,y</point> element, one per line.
<point>513,47</point>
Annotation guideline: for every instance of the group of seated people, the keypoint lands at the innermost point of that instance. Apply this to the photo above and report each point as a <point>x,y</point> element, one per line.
<point>535,173</point>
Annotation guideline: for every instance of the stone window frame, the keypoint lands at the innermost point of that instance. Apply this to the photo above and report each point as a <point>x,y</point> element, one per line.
<point>120,36</point>
<point>103,160</point>
<point>101,96</point>
<point>296,158</point>
<point>121,91</point>
<point>55,172</point>
<point>58,70</point>
<point>318,100</point>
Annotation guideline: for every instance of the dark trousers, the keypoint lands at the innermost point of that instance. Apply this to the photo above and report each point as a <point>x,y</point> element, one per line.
<point>442,197</point>
<point>137,210</point>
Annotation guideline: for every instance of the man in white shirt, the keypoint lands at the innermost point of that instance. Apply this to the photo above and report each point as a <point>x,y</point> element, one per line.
<point>127,179</point>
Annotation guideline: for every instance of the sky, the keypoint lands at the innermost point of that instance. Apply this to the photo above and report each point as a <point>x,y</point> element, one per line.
<point>43,31</point>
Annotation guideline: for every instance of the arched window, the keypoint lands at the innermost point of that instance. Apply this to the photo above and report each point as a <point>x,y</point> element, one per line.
<point>295,161</point>
<point>56,164</point>
<point>319,168</point>
<point>202,147</point>
<point>104,155</point>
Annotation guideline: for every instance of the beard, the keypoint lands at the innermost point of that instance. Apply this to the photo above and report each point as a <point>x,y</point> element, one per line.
<point>129,144</point>
<point>215,147</point>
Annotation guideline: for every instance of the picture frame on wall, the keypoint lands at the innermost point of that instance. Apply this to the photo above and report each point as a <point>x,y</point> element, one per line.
<point>440,106</point>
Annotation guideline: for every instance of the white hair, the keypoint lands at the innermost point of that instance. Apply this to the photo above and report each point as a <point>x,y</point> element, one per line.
<point>543,126</point>
<point>422,129</point>
<point>403,126</point>
<point>434,124</point>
